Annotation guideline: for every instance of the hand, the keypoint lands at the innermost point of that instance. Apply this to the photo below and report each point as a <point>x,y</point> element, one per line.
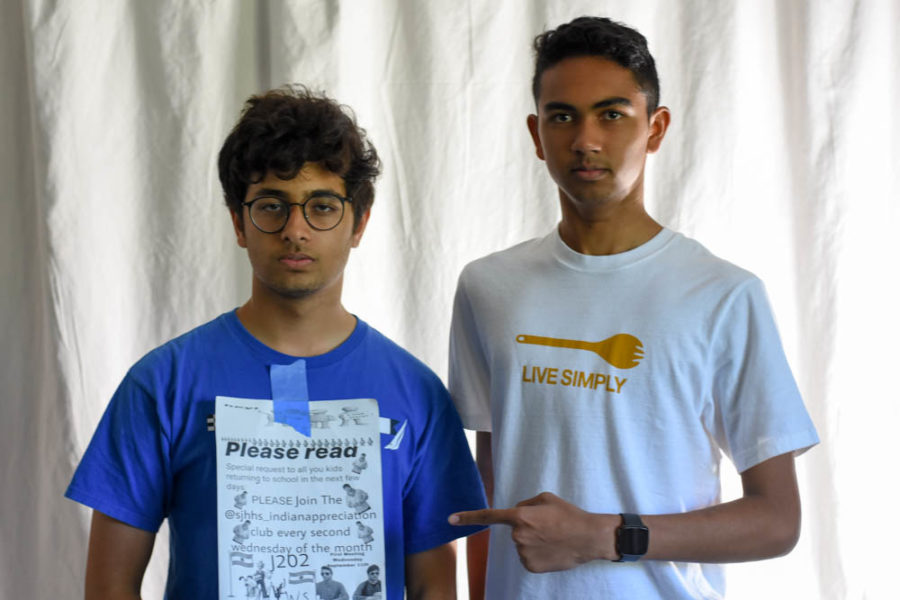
<point>550,534</point>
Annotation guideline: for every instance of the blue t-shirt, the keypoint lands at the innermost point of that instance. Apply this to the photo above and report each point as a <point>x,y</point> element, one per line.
<point>153,457</point>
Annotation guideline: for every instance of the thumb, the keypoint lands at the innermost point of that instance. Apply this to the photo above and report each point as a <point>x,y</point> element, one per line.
<point>542,498</point>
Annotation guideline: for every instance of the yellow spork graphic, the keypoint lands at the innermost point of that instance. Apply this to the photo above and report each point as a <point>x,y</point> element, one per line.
<point>622,350</point>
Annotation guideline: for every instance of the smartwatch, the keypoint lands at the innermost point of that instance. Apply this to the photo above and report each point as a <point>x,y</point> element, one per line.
<point>632,538</point>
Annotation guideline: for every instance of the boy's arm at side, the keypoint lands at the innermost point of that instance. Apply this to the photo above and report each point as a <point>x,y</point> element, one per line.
<point>477,544</point>
<point>117,559</point>
<point>431,575</point>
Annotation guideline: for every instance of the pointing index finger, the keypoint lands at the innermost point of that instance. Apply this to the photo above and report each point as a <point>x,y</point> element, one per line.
<point>486,516</point>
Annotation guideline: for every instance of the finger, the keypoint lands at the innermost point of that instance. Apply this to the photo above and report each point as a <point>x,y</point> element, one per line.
<point>487,516</point>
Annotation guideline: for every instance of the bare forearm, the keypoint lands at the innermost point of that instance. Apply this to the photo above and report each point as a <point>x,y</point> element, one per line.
<point>764,523</point>
<point>553,535</point>
<point>476,561</point>
<point>746,529</point>
<point>431,575</point>
<point>477,544</point>
<point>742,530</point>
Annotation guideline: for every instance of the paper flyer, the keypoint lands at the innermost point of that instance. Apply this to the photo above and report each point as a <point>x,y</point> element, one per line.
<point>299,518</point>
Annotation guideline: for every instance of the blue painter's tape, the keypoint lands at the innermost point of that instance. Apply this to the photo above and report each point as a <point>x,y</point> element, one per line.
<point>290,395</point>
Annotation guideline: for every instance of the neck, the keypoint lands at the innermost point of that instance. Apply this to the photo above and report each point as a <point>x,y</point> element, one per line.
<point>304,326</point>
<point>607,229</point>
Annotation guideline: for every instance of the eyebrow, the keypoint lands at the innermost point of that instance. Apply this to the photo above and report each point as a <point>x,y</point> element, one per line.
<point>270,192</point>
<point>276,193</point>
<point>606,103</point>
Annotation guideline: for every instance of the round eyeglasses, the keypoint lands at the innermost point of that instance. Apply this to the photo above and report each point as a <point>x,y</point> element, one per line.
<point>322,210</point>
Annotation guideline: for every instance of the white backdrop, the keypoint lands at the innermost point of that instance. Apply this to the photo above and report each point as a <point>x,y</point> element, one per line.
<point>783,156</point>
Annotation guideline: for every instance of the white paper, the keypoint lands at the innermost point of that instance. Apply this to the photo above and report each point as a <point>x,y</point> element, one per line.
<point>289,504</point>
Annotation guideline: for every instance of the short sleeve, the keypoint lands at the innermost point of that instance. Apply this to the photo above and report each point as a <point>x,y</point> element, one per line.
<point>469,379</point>
<point>443,481</point>
<point>124,472</point>
<point>759,411</point>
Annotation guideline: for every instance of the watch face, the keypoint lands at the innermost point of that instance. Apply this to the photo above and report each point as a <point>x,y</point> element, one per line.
<point>633,540</point>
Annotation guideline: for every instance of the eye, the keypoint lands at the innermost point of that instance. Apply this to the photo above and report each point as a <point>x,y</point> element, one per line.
<point>268,205</point>
<point>324,204</point>
<point>560,118</point>
<point>613,115</point>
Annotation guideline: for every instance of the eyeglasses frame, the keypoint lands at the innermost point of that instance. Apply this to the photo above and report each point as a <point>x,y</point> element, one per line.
<point>301,206</point>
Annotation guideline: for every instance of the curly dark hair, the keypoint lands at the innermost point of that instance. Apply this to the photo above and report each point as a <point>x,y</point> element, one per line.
<point>283,129</point>
<point>604,38</point>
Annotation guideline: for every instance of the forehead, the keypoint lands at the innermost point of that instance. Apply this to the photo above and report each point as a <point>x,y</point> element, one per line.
<point>312,176</point>
<point>586,80</point>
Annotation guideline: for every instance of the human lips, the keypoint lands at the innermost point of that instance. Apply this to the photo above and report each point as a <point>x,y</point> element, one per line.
<point>296,260</point>
<point>589,172</point>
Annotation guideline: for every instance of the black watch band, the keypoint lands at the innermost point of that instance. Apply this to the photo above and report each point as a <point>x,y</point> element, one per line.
<point>632,538</point>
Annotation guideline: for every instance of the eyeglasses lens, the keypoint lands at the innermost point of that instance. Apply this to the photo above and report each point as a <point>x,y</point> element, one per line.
<point>321,212</point>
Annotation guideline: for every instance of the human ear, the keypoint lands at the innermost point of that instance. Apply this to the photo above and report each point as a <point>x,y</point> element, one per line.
<point>535,135</point>
<point>360,228</point>
<point>659,123</point>
<point>239,229</point>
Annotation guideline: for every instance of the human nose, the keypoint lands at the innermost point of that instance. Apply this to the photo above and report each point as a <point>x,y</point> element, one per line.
<point>588,137</point>
<point>297,227</point>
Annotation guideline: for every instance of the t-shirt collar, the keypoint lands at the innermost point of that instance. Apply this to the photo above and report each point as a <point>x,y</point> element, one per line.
<point>610,262</point>
<point>270,356</point>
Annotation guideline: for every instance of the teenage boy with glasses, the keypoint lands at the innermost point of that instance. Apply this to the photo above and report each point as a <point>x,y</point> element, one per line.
<point>152,456</point>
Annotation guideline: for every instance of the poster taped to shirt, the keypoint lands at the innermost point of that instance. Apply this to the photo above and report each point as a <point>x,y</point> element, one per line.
<point>291,504</point>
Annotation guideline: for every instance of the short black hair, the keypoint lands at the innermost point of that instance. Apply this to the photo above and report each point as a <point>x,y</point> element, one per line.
<point>283,129</point>
<point>373,568</point>
<point>603,38</point>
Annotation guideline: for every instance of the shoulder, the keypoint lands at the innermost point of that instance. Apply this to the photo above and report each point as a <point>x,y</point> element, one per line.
<point>694,265</point>
<point>733,297</point>
<point>201,337</point>
<point>514,256</point>
<point>691,254</point>
<point>406,387</point>
<point>496,275</point>
<point>197,344</point>
<point>382,350</point>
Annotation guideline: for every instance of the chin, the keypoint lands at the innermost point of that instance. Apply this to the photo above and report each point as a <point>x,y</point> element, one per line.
<point>291,291</point>
<point>583,203</point>
<point>299,292</point>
